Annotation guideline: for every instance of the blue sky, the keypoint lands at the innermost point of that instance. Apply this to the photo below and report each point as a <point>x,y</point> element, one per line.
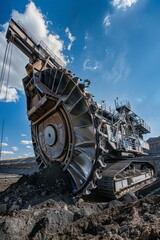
<point>115,44</point>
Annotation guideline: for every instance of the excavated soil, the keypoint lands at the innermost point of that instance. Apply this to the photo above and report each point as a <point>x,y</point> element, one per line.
<point>39,207</point>
<point>6,180</point>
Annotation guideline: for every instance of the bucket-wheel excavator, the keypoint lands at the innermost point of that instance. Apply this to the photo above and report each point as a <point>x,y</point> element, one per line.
<point>96,146</point>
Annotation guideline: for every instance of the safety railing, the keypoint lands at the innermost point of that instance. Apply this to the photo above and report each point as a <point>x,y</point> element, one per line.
<point>42,45</point>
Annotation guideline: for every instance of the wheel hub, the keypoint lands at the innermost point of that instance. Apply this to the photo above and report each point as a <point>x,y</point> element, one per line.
<point>50,135</point>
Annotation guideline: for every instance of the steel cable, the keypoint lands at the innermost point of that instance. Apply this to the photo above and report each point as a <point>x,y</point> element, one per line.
<point>8,55</point>
<point>4,66</point>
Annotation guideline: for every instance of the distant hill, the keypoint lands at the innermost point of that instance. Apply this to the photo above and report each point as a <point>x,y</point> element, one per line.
<point>154,144</point>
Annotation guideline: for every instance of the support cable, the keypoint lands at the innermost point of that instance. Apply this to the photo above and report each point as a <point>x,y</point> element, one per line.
<point>8,55</point>
<point>4,66</point>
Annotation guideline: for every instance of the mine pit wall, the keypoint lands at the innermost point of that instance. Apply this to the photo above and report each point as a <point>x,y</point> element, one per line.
<point>154,144</point>
<point>154,153</point>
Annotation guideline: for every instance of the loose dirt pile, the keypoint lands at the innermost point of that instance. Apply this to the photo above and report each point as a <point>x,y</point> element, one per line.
<point>140,220</point>
<point>39,207</point>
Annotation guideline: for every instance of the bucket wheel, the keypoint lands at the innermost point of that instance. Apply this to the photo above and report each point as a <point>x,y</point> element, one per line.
<point>65,131</point>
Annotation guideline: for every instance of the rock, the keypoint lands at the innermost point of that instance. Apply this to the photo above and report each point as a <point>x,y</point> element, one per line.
<point>19,200</point>
<point>14,203</point>
<point>158,214</point>
<point>6,199</point>
<point>150,217</point>
<point>43,194</point>
<point>87,211</point>
<point>77,216</point>
<point>114,203</point>
<point>14,207</point>
<point>80,201</point>
<point>15,228</point>
<point>24,194</point>
<point>130,197</point>
<point>65,207</point>
<point>3,208</point>
<point>145,205</point>
<point>119,238</point>
<point>137,232</point>
<point>123,228</point>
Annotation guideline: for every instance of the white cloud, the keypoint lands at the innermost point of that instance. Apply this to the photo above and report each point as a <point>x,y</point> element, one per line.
<point>91,65</point>
<point>23,135</point>
<point>87,36</point>
<point>140,99</point>
<point>33,19</point>
<point>9,94</point>
<point>28,146</point>
<point>123,4</point>
<point>7,153</point>
<point>87,39</point>
<point>26,142</point>
<point>4,144</point>
<point>27,154</point>
<point>107,21</point>
<point>70,60</point>
<point>15,148</point>
<point>120,69</point>
<point>6,138</point>
<point>70,37</point>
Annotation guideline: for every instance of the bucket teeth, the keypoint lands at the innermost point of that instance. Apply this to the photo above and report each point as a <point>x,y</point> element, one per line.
<point>87,192</point>
<point>94,186</point>
<point>101,162</point>
<point>98,174</point>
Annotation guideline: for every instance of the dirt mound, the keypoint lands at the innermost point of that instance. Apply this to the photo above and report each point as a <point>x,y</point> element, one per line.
<point>39,207</point>
<point>140,220</point>
<point>30,190</point>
